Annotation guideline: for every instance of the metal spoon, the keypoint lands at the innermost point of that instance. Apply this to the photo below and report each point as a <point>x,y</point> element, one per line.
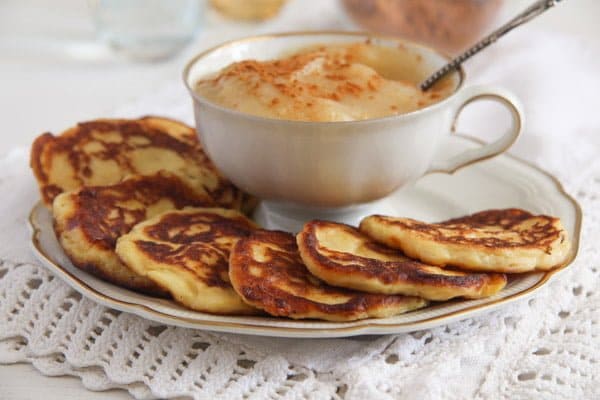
<point>531,12</point>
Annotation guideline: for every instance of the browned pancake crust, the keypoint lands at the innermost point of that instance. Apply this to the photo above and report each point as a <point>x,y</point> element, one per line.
<point>187,245</point>
<point>190,245</point>
<point>505,240</point>
<point>408,271</point>
<point>285,268</point>
<point>103,220</point>
<point>72,143</point>
<point>186,252</point>
<point>541,235</point>
<point>101,216</point>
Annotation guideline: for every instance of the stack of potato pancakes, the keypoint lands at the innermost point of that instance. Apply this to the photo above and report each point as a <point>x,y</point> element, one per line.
<point>138,203</point>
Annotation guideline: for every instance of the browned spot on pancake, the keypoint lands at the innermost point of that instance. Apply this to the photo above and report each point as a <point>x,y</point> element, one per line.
<point>98,215</point>
<point>181,256</point>
<point>101,212</point>
<point>115,141</point>
<point>283,267</point>
<point>115,150</point>
<point>35,158</point>
<point>541,234</point>
<point>387,272</point>
<point>51,191</point>
<point>184,133</point>
<point>199,242</point>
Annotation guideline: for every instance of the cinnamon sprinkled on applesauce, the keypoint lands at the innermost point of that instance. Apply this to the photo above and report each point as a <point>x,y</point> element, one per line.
<point>325,83</point>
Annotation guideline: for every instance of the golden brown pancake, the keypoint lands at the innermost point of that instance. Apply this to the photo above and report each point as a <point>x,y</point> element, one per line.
<point>104,151</point>
<point>509,240</point>
<point>89,220</point>
<point>342,256</point>
<point>187,252</point>
<point>266,270</point>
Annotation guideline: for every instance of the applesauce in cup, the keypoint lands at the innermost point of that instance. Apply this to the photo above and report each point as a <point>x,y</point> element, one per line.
<point>340,82</point>
<point>331,164</point>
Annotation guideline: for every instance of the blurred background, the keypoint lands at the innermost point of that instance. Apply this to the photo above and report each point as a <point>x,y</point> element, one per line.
<point>59,65</point>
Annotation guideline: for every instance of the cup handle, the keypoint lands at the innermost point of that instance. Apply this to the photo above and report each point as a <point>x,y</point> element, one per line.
<point>489,150</point>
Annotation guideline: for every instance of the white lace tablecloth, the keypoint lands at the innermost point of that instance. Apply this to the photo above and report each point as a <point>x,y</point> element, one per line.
<point>547,347</point>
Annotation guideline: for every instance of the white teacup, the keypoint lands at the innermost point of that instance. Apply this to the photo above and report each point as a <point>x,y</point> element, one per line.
<point>306,170</point>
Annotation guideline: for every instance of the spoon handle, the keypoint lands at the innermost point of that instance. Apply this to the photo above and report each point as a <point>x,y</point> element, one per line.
<point>531,12</point>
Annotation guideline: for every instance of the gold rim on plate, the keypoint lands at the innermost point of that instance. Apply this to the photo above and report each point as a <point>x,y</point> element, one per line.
<point>127,306</point>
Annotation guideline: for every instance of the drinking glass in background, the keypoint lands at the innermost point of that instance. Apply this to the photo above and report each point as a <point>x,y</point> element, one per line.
<point>447,25</point>
<point>147,29</point>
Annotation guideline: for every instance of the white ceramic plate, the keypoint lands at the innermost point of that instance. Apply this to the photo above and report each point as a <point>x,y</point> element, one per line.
<point>498,183</point>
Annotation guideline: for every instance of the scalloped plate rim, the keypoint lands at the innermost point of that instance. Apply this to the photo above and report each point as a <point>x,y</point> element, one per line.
<point>82,282</point>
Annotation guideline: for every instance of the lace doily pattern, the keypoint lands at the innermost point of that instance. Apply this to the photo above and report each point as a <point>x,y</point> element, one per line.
<point>547,347</point>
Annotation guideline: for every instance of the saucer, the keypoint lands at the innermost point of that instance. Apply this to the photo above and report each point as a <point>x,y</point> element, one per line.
<point>502,182</point>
